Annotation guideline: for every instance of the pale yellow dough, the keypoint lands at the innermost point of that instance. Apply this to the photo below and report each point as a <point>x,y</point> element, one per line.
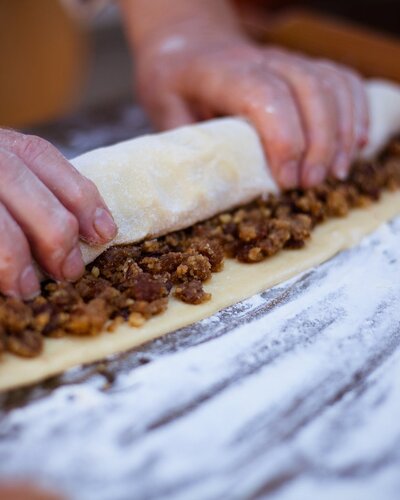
<point>236,282</point>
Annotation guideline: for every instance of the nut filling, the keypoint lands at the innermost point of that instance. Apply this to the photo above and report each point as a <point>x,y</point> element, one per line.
<point>132,283</point>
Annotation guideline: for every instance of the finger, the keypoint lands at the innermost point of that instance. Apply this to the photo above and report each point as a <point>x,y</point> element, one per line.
<point>170,113</point>
<point>77,193</point>
<point>267,102</point>
<point>17,275</point>
<point>51,230</point>
<point>361,109</point>
<point>318,112</point>
<point>345,104</point>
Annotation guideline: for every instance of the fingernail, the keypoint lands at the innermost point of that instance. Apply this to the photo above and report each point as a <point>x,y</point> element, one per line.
<point>29,283</point>
<point>288,175</point>
<point>315,175</point>
<point>73,266</point>
<point>341,166</point>
<point>104,224</point>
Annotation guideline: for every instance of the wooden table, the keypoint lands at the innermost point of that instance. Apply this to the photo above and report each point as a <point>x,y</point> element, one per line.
<point>291,394</point>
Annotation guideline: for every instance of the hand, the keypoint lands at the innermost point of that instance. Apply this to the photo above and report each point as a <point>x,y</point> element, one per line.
<point>25,491</point>
<point>45,204</point>
<point>311,115</point>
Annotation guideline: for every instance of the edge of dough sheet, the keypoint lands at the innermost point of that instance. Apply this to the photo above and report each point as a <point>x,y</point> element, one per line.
<point>234,283</point>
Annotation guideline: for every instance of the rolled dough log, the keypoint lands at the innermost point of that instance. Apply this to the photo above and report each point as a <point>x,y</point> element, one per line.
<point>163,182</point>
<point>159,183</point>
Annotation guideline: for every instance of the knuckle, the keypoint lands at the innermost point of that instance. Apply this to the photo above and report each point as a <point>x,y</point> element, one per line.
<point>330,67</point>
<point>82,196</point>
<point>323,81</point>
<point>12,170</point>
<point>9,140</point>
<point>275,90</point>
<point>63,234</point>
<point>343,86</point>
<point>14,250</point>
<point>70,223</point>
<point>354,81</point>
<point>80,192</point>
<point>321,142</point>
<point>90,186</point>
<point>289,150</point>
<point>323,150</point>
<point>352,74</point>
<point>32,146</point>
<point>87,191</point>
<point>279,88</point>
<point>7,161</point>
<point>314,85</point>
<point>10,261</point>
<point>69,226</point>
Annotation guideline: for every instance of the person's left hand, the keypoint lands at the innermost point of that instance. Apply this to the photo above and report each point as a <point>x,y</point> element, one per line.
<point>45,206</point>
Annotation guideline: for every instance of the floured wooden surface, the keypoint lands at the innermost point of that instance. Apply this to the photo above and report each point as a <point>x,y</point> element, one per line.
<point>292,394</point>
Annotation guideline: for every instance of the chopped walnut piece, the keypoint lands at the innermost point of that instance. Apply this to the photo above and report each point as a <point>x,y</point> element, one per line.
<point>88,319</point>
<point>337,204</point>
<point>114,324</point>
<point>26,343</point>
<point>225,218</point>
<point>193,267</point>
<point>247,231</point>
<point>136,319</point>
<point>192,292</point>
<point>95,271</point>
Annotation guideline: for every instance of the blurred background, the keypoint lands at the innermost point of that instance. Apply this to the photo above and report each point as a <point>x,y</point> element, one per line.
<point>57,60</point>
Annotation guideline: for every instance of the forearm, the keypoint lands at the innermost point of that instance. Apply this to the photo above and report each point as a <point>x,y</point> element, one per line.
<point>149,20</point>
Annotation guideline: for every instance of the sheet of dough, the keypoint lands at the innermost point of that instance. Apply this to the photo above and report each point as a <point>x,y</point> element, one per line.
<point>236,282</point>
<point>160,183</point>
<point>163,182</point>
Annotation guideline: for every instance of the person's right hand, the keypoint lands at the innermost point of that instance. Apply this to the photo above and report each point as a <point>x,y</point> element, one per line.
<point>194,62</point>
<point>311,115</point>
<point>45,205</point>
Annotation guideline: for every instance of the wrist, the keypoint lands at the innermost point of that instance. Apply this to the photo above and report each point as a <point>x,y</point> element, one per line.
<point>179,24</point>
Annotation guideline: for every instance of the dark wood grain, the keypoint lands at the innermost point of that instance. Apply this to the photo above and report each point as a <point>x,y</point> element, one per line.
<point>291,394</point>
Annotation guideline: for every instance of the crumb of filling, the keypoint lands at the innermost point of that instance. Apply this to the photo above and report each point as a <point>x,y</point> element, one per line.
<point>132,283</point>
